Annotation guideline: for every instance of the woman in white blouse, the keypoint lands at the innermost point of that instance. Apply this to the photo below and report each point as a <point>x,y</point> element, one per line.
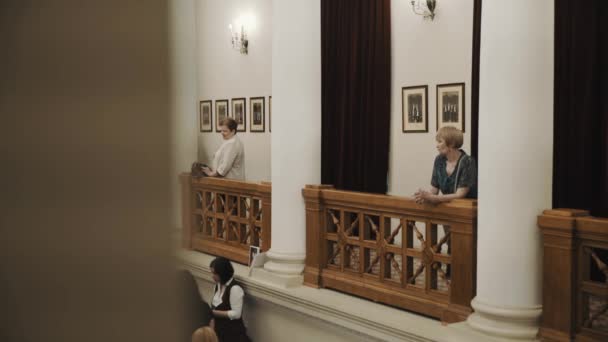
<point>229,159</point>
<point>227,303</point>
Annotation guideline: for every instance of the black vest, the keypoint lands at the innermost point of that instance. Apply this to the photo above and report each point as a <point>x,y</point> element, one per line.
<point>228,330</point>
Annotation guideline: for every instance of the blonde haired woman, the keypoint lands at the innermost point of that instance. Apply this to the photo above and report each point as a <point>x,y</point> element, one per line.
<point>454,172</point>
<point>204,334</point>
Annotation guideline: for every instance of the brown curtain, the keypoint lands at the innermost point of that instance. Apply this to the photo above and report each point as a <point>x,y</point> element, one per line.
<point>356,93</point>
<point>580,177</point>
<point>475,78</point>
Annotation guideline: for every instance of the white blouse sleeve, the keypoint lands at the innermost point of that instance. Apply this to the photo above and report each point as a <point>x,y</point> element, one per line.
<point>236,302</point>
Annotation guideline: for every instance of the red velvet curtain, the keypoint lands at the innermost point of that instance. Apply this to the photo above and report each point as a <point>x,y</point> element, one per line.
<point>356,93</point>
<point>580,172</point>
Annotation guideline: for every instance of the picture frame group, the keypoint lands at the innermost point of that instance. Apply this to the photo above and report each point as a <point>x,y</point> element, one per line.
<point>450,108</point>
<point>236,108</point>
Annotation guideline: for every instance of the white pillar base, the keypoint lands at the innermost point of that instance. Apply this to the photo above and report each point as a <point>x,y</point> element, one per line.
<point>286,264</point>
<point>519,323</point>
<point>283,270</point>
<point>276,279</point>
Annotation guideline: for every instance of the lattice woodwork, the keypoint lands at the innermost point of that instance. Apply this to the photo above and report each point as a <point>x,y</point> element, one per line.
<point>575,276</point>
<point>392,250</point>
<point>226,217</point>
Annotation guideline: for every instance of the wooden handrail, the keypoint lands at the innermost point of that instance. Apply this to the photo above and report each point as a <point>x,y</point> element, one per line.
<point>391,249</point>
<point>224,217</point>
<point>574,300</point>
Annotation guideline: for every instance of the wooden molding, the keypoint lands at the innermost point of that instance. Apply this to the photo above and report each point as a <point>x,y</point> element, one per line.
<point>570,237</point>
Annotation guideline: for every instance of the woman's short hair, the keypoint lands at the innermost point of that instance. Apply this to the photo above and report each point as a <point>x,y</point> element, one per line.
<point>230,123</point>
<point>452,136</point>
<point>223,268</point>
<point>204,334</point>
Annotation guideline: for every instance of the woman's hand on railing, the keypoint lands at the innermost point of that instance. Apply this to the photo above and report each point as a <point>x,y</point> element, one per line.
<point>423,196</point>
<point>209,172</point>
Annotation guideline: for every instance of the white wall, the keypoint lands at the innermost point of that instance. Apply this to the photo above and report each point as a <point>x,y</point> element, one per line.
<point>426,53</point>
<point>224,73</point>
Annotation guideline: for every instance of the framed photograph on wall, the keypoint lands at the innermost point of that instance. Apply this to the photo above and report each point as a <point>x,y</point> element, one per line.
<point>221,112</point>
<point>205,116</point>
<point>238,113</point>
<point>256,108</point>
<point>270,113</point>
<point>415,109</point>
<point>450,105</point>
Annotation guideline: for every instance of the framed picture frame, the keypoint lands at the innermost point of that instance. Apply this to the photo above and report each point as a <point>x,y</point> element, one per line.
<point>205,114</point>
<point>221,112</point>
<point>256,110</point>
<point>253,251</point>
<point>270,113</point>
<point>415,109</point>
<point>451,105</point>
<point>239,111</point>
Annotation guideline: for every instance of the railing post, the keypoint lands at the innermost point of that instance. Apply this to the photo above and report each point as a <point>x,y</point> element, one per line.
<point>558,226</point>
<point>266,214</point>
<point>315,223</point>
<point>186,185</point>
<point>463,238</point>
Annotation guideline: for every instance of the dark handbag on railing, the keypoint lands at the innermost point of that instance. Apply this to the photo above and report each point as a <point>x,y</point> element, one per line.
<point>197,170</point>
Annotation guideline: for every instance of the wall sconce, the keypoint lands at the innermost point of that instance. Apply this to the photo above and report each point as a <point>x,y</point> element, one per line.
<point>239,42</point>
<point>425,8</point>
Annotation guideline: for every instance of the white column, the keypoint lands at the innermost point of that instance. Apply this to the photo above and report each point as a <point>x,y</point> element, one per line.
<point>296,130</point>
<point>515,164</point>
<point>184,98</point>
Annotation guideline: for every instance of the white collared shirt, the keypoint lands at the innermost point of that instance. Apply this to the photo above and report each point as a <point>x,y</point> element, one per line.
<point>236,299</point>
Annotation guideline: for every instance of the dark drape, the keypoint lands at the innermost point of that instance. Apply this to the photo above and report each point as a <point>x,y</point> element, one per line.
<point>475,78</point>
<point>580,105</point>
<point>356,93</point>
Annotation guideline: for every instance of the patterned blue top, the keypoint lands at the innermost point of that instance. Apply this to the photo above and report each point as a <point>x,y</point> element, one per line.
<point>463,176</point>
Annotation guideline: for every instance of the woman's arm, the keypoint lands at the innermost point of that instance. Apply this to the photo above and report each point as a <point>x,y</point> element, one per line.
<point>210,172</point>
<point>220,314</point>
<point>418,194</point>
<point>429,197</point>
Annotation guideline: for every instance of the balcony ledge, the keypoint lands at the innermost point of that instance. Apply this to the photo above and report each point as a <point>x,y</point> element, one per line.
<point>375,321</point>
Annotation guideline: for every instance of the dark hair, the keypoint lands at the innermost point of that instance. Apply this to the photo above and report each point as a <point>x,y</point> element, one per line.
<point>230,123</point>
<point>223,268</point>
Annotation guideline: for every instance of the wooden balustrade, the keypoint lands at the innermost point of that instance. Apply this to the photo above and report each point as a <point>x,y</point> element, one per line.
<point>391,250</point>
<point>224,217</point>
<point>575,276</point>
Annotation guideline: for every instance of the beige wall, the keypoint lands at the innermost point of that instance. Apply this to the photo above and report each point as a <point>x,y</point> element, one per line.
<point>224,73</point>
<point>84,242</point>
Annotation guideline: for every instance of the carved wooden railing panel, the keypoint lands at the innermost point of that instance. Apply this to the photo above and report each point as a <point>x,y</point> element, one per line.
<point>575,276</point>
<point>224,217</point>
<point>392,250</point>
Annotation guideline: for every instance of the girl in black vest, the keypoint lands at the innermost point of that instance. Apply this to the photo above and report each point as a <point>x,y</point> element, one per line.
<point>227,303</point>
